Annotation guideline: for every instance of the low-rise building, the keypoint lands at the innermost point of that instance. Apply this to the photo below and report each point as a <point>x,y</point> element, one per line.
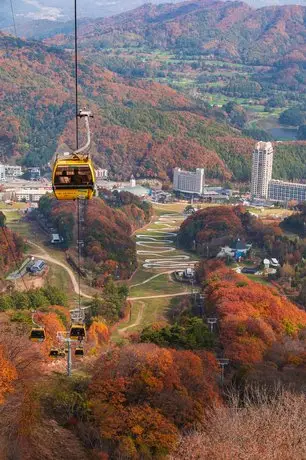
<point>189,273</point>
<point>2,173</point>
<point>30,194</point>
<point>13,171</point>
<point>266,263</point>
<point>56,238</point>
<point>286,191</point>
<point>236,250</point>
<point>275,263</point>
<point>34,173</point>
<point>161,196</point>
<point>101,174</point>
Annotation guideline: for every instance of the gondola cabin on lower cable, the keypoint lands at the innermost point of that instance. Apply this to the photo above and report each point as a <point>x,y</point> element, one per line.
<point>79,351</point>
<point>73,177</point>
<point>77,332</point>
<point>54,353</point>
<point>37,334</point>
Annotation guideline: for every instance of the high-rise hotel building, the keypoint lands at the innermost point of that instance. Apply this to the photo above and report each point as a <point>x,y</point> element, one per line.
<point>189,182</point>
<point>262,184</point>
<point>261,169</point>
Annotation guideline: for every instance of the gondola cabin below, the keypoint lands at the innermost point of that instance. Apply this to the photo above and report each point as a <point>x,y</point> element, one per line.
<point>73,177</point>
<point>77,332</point>
<point>37,334</point>
<point>53,353</point>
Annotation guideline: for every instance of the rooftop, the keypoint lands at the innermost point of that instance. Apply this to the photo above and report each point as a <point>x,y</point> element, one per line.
<point>138,190</point>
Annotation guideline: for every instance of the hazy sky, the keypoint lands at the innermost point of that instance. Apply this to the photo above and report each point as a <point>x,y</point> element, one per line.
<point>62,9</point>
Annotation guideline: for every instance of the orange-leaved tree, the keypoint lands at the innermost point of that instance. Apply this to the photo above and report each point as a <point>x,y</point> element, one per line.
<point>142,387</point>
<point>8,374</point>
<point>252,316</point>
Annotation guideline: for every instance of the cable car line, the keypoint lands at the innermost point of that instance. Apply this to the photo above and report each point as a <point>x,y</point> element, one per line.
<point>73,178</point>
<point>13,16</point>
<point>79,253</point>
<point>76,74</point>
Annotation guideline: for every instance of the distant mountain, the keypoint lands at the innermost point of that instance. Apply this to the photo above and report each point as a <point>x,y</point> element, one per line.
<point>28,12</point>
<point>230,30</point>
<point>140,127</point>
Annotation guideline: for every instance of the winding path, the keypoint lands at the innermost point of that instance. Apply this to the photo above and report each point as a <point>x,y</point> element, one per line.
<point>160,247</point>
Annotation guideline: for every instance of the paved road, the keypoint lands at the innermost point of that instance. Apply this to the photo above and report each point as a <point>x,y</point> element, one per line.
<point>48,258</point>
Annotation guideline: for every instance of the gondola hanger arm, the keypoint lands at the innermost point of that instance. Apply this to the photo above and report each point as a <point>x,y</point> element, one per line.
<point>84,114</point>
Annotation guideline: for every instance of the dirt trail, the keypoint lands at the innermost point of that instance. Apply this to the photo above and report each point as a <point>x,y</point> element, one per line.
<point>151,278</point>
<point>162,296</point>
<point>137,322</point>
<point>48,258</point>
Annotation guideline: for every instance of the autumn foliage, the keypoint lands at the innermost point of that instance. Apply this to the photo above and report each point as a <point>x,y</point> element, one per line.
<point>107,231</point>
<point>8,374</point>
<point>142,394</point>
<point>214,226</point>
<point>98,334</point>
<point>252,317</point>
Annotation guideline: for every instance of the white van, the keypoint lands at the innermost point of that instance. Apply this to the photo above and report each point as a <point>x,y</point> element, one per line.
<point>56,238</point>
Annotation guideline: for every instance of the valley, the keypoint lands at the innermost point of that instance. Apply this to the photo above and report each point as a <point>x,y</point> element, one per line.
<point>152,282</point>
<point>153,278</point>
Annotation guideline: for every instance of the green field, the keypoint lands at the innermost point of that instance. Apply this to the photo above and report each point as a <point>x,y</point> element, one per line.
<point>143,314</point>
<point>162,284</point>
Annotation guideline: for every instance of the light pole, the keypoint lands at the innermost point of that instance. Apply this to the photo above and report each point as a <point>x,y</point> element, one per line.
<point>69,358</point>
<point>212,322</point>
<point>222,363</point>
<point>63,336</point>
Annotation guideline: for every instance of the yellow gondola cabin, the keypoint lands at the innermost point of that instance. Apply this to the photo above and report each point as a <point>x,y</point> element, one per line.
<point>37,334</point>
<point>79,351</point>
<point>77,332</point>
<point>73,177</point>
<point>53,353</point>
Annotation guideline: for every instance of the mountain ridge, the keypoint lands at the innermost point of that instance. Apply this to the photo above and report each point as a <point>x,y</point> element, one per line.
<point>140,127</point>
<point>232,30</point>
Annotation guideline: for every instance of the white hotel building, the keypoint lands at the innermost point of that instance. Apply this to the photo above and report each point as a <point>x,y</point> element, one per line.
<point>31,195</point>
<point>189,182</point>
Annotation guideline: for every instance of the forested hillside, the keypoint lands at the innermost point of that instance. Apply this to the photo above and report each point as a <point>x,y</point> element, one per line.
<point>230,30</point>
<point>109,247</point>
<point>140,127</point>
<point>11,248</point>
<point>260,331</point>
<point>256,36</point>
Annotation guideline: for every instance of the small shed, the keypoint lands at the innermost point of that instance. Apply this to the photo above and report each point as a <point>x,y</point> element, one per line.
<point>266,263</point>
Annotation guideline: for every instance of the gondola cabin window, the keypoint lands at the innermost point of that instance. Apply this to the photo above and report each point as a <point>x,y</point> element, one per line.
<point>74,176</point>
